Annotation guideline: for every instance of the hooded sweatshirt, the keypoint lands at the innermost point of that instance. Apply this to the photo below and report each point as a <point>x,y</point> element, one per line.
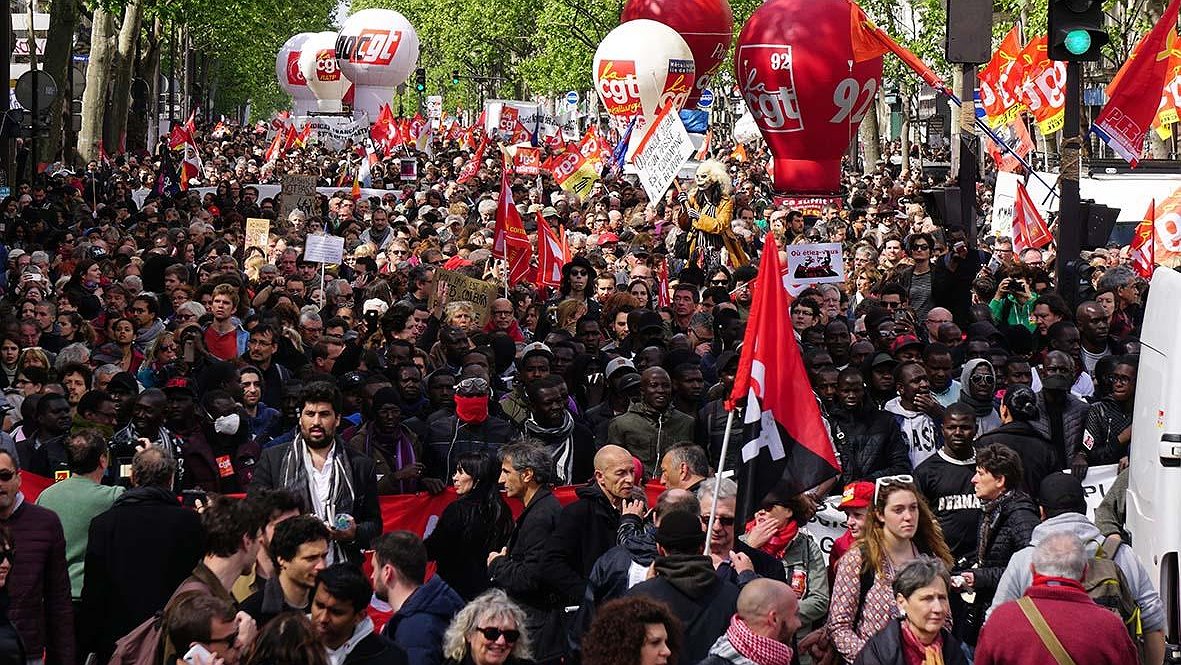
<point>695,594</point>
<point>922,434</point>
<point>1018,577</point>
<point>987,418</point>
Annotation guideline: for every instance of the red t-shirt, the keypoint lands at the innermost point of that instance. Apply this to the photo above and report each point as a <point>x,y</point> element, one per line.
<point>223,346</point>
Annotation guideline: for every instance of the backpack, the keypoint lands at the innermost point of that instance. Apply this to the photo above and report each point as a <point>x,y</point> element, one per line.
<point>1106,585</point>
<point>142,646</point>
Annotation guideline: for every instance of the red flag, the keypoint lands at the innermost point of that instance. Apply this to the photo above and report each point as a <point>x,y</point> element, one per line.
<point>738,154</point>
<point>190,126</point>
<point>550,255</point>
<point>276,150</point>
<point>1128,114</point>
<point>178,136</point>
<point>997,93</point>
<point>870,41</point>
<point>472,167</point>
<point>662,299</point>
<point>1143,252</point>
<point>787,444</point>
<point>1029,229</point>
<point>510,242</point>
<point>301,139</point>
<point>355,194</point>
<point>289,138</point>
<point>380,131</point>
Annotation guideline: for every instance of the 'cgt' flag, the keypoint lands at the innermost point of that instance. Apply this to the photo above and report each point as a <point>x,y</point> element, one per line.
<point>1143,250</point>
<point>1043,86</point>
<point>551,255</point>
<point>509,241</point>
<point>1135,92</point>
<point>997,94</point>
<point>787,445</point>
<point>1029,229</point>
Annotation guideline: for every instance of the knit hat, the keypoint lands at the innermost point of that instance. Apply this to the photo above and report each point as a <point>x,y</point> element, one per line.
<point>387,395</point>
<point>1062,492</point>
<point>680,530</point>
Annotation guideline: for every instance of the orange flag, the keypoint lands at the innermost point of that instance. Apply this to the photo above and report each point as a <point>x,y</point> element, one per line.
<point>1143,252</point>
<point>870,41</point>
<point>997,94</point>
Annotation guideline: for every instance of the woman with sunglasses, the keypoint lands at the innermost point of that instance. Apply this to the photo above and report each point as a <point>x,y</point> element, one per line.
<point>977,389</point>
<point>160,353</point>
<point>898,528</point>
<point>490,630</point>
<point>12,648</point>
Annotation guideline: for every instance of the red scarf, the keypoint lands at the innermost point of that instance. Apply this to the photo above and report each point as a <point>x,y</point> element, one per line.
<point>779,542</point>
<point>513,331</point>
<point>917,653</point>
<point>762,650</point>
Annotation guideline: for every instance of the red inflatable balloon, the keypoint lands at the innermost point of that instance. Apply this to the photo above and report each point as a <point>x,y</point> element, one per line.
<point>794,64</point>
<point>706,25</point>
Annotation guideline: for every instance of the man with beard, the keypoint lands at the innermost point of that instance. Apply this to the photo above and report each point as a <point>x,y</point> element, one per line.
<point>651,425</point>
<point>45,453</point>
<point>422,608</point>
<point>916,411</point>
<point>260,352</point>
<point>1092,328</point>
<point>945,479</point>
<point>300,548</point>
<point>868,440</point>
<point>392,447</point>
<point>570,443</point>
<point>335,483</point>
<point>146,427</point>
<point>1062,415</point>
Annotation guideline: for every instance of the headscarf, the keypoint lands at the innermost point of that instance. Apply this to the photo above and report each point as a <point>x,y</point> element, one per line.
<point>982,407</point>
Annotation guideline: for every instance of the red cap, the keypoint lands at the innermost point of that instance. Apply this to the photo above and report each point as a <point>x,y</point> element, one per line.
<point>902,342</point>
<point>607,237</point>
<point>857,494</point>
<point>456,262</point>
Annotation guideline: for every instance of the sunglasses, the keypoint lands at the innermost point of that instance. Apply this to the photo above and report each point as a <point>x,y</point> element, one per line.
<point>720,282</point>
<point>493,633</point>
<point>8,555</point>
<point>724,521</point>
<point>7,474</point>
<point>886,481</point>
<point>982,379</point>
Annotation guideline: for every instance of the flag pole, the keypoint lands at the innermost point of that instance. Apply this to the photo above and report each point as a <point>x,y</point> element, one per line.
<point>713,509</point>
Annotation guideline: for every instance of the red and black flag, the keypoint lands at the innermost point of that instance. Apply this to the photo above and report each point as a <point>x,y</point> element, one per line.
<point>787,447</point>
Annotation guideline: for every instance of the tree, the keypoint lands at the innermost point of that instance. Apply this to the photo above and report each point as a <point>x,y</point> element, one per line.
<point>94,98</point>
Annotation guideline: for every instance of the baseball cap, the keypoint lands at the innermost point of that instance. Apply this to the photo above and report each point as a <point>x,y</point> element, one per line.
<point>883,359</point>
<point>549,211</point>
<point>1062,491</point>
<point>619,364</point>
<point>858,494</point>
<point>536,348</point>
<point>903,342</point>
<point>608,237</point>
<point>179,385</point>
<point>628,381</point>
<point>123,382</point>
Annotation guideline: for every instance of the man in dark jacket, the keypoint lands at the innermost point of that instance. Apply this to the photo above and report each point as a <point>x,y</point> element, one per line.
<point>748,562</point>
<point>526,471</point>
<point>471,429</point>
<point>686,582</point>
<point>339,619</point>
<point>570,443</point>
<point>422,612</point>
<point>39,585</point>
<point>122,587</point>
<point>651,425</point>
<point>586,528</point>
<point>347,502</point>
<point>1062,415</point>
<point>300,548</point>
<point>868,439</point>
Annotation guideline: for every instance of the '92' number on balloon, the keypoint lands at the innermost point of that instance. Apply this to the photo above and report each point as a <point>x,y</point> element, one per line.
<point>847,96</point>
<point>781,60</point>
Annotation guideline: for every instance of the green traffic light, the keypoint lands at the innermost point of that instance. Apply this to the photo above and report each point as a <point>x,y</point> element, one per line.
<point>1078,42</point>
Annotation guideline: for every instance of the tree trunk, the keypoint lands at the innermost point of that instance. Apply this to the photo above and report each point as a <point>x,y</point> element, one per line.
<point>142,127</point>
<point>59,47</point>
<point>124,64</point>
<point>871,137</point>
<point>98,77</point>
<point>904,139</point>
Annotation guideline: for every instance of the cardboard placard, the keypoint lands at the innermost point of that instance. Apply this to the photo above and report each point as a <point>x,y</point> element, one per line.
<point>258,232</point>
<point>819,263</point>
<point>661,153</point>
<point>322,248</point>
<point>461,287</point>
<point>297,192</point>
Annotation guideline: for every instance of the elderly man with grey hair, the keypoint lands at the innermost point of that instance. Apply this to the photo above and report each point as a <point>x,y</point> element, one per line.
<point>1056,621</point>
<point>733,559</point>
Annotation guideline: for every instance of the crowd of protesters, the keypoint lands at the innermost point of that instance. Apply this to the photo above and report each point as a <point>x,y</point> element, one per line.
<point>156,371</point>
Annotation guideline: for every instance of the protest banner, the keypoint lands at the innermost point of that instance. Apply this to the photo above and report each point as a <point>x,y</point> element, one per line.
<point>819,263</point>
<point>258,232</point>
<point>573,172</point>
<point>453,286</point>
<point>664,148</point>
<point>323,248</point>
<point>297,192</point>
<point>811,206</point>
<point>333,131</point>
<point>527,161</point>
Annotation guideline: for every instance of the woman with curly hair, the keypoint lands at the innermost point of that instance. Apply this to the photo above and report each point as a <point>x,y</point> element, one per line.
<point>461,314</point>
<point>899,527</point>
<point>632,631</point>
<point>490,630</point>
<point>288,639</point>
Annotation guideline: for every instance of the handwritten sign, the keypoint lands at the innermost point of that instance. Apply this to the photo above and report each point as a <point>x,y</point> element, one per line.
<point>324,249</point>
<point>298,192</point>
<point>662,152</point>
<point>454,287</point>
<point>257,232</point>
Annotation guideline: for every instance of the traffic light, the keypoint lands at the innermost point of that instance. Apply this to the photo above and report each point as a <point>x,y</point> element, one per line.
<point>1076,31</point>
<point>454,77</point>
<point>420,79</point>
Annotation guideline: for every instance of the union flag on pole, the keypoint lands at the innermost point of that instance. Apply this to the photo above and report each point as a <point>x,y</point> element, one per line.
<point>509,241</point>
<point>787,446</point>
<point>1029,229</point>
<point>870,41</point>
<point>1143,252</point>
<point>551,255</point>
<point>472,167</point>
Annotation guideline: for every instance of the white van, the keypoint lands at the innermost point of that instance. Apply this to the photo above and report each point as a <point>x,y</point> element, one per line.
<point>1154,486</point>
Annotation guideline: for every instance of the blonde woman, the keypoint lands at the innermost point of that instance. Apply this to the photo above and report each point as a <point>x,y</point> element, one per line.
<point>490,630</point>
<point>569,312</point>
<point>461,314</point>
<point>159,353</point>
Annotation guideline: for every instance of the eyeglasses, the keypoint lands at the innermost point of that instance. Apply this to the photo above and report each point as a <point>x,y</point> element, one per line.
<point>168,347</point>
<point>1120,378</point>
<point>718,519</point>
<point>503,313</point>
<point>7,475</point>
<point>886,481</point>
<point>228,640</point>
<point>982,379</point>
<point>492,633</point>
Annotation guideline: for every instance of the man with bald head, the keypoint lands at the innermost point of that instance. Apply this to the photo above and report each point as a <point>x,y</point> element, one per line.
<point>651,426</point>
<point>1093,338</point>
<point>935,318</point>
<point>501,316</point>
<point>587,528</point>
<point>763,626</point>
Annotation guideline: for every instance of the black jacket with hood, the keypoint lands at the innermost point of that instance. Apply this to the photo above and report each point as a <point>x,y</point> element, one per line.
<point>703,602</point>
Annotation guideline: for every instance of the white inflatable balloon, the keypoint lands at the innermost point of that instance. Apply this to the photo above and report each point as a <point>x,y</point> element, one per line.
<point>291,80</point>
<point>640,66</point>
<point>746,131</point>
<point>377,49</point>
<point>317,63</point>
